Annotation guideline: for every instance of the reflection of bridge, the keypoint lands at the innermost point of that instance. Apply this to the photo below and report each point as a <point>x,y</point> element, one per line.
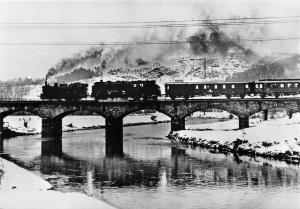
<point>52,112</point>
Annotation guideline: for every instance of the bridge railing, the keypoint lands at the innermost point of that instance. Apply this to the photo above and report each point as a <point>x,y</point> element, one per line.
<point>19,99</point>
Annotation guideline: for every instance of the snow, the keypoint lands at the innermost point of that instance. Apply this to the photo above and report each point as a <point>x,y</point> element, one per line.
<point>34,93</point>
<point>21,189</point>
<point>270,138</point>
<point>212,114</point>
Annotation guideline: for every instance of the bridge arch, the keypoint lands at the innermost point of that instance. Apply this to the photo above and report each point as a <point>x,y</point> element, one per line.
<point>83,111</point>
<point>210,110</point>
<point>12,111</point>
<point>136,109</point>
<point>289,111</point>
<point>192,110</point>
<point>52,127</point>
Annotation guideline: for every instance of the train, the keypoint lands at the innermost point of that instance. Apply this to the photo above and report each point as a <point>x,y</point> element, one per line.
<point>149,90</point>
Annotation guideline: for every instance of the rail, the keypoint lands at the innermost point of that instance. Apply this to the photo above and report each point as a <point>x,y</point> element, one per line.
<point>161,99</point>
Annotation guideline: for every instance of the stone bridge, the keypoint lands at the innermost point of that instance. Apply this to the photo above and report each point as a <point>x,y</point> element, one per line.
<point>52,112</point>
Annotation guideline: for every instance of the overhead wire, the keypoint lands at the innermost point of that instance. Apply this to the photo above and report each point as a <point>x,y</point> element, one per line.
<point>150,24</point>
<point>95,26</point>
<point>160,21</point>
<point>143,42</point>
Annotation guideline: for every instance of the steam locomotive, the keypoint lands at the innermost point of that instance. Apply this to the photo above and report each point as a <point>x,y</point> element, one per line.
<point>102,90</point>
<point>126,89</point>
<point>262,87</point>
<point>68,92</point>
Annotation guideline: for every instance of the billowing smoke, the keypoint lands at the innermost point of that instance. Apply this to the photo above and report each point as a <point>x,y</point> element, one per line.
<point>105,57</point>
<point>207,40</point>
<point>88,58</point>
<point>212,41</point>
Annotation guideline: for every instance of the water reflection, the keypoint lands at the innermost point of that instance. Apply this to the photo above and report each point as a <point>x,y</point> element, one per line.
<point>180,169</point>
<point>51,146</point>
<point>152,173</point>
<point>1,144</point>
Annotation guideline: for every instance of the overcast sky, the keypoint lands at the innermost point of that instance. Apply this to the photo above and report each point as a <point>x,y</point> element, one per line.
<point>34,61</point>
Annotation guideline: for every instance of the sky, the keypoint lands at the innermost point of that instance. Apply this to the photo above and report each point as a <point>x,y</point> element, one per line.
<point>35,60</point>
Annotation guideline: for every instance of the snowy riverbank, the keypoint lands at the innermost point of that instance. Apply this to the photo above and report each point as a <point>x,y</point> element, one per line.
<point>278,138</point>
<point>21,189</point>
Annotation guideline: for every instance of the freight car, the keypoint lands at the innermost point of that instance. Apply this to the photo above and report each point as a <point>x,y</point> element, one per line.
<point>125,90</point>
<point>68,92</point>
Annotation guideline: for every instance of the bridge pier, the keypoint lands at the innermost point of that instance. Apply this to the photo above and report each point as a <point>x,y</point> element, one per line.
<point>243,121</point>
<point>1,126</point>
<point>52,127</point>
<point>266,112</point>
<point>1,144</point>
<point>114,136</point>
<point>52,147</point>
<point>177,124</point>
<point>1,134</point>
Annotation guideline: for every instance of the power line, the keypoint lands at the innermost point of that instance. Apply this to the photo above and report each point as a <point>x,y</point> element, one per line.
<point>151,24</point>
<point>144,26</point>
<point>160,21</point>
<point>137,43</point>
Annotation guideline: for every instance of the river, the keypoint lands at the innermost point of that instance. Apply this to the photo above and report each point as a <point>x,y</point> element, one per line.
<point>154,173</point>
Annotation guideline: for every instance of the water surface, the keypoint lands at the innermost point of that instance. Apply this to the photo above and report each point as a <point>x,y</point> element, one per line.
<point>153,173</point>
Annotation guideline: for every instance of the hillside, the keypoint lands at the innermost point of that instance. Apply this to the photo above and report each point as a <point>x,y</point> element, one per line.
<point>277,66</point>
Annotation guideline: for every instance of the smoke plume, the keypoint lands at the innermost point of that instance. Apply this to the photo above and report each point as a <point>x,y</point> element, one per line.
<point>212,41</point>
<point>207,40</point>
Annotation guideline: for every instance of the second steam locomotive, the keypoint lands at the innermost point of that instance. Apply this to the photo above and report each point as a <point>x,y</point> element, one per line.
<point>149,90</point>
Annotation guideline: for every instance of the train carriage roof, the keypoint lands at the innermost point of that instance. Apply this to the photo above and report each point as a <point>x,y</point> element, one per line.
<point>206,83</point>
<point>279,81</point>
<point>237,82</point>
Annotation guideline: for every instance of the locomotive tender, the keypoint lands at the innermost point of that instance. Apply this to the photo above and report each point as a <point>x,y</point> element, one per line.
<point>262,87</point>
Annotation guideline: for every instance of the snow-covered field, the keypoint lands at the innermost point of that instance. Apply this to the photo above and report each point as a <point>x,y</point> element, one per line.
<point>20,189</point>
<point>279,138</point>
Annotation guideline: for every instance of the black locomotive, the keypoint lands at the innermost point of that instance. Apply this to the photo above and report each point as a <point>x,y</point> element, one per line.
<point>68,92</point>
<point>126,89</point>
<point>262,87</point>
